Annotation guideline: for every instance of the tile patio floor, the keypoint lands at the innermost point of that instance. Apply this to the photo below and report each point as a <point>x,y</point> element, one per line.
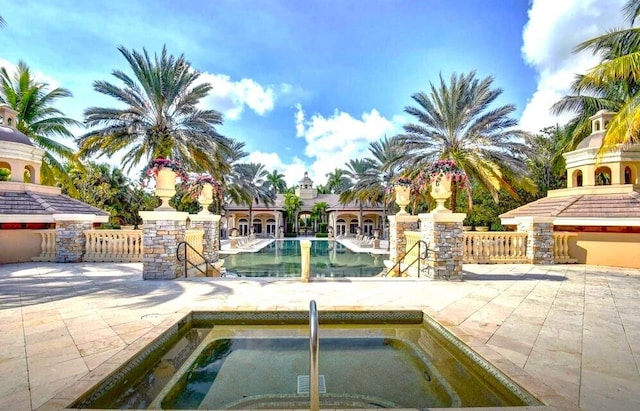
<point>569,333</point>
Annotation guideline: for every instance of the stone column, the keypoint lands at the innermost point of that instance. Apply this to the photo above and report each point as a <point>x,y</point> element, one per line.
<point>443,234</point>
<point>539,238</point>
<point>161,233</point>
<point>305,260</point>
<point>210,224</point>
<point>398,224</point>
<point>70,239</point>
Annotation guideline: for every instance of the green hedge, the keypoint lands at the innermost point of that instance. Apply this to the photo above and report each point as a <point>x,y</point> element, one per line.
<point>290,234</point>
<point>322,235</point>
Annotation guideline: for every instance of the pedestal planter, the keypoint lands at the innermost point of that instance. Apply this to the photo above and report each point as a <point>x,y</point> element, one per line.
<point>205,198</point>
<point>165,188</point>
<point>403,198</point>
<point>441,191</point>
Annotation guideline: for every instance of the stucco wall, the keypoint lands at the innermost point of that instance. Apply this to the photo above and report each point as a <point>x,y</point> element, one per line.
<point>18,246</point>
<point>614,249</point>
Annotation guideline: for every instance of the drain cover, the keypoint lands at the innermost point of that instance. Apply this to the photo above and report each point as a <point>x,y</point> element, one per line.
<point>303,384</point>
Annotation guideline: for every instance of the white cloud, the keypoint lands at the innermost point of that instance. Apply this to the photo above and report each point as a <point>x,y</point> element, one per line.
<point>37,75</point>
<point>553,30</point>
<point>293,171</point>
<point>231,97</point>
<point>333,141</point>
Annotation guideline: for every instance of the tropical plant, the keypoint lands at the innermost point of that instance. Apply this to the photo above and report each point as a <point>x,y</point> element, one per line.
<point>613,84</point>
<point>456,122</point>
<point>337,181</point>
<point>292,204</point>
<point>319,213</point>
<point>278,184</point>
<point>106,187</point>
<point>151,170</point>
<point>38,119</point>
<point>195,185</point>
<point>255,187</point>
<point>161,118</point>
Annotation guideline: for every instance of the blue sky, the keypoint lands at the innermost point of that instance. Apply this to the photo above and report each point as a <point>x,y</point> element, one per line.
<point>307,85</point>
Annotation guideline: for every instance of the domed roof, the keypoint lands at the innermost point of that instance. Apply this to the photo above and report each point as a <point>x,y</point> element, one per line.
<point>10,134</point>
<point>594,140</point>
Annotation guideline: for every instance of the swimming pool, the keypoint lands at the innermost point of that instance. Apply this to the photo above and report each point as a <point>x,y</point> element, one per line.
<point>254,360</point>
<point>281,258</point>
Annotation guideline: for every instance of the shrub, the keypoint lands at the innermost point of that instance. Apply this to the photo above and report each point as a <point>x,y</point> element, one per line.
<point>322,235</point>
<point>290,234</point>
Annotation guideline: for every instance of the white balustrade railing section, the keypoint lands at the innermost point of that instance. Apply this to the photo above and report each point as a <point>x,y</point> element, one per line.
<point>194,238</point>
<point>113,245</point>
<point>495,247</point>
<point>561,247</point>
<point>47,245</point>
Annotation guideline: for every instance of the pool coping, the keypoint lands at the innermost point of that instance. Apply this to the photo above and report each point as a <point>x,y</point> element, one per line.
<point>544,393</point>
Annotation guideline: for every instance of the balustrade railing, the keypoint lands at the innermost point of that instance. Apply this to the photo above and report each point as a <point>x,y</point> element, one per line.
<point>113,245</point>
<point>47,245</point>
<point>495,247</point>
<point>195,239</point>
<point>561,247</point>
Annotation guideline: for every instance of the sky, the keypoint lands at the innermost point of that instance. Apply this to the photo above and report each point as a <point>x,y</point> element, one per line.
<point>308,85</point>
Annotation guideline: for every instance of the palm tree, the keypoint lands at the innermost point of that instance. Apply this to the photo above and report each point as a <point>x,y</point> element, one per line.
<point>613,84</point>
<point>278,184</point>
<point>38,119</point>
<point>456,122</point>
<point>161,117</point>
<point>254,185</point>
<point>357,170</point>
<point>319,212</point>
<point>292,204</point>
<point>337,181</point>
<point>2,22</point>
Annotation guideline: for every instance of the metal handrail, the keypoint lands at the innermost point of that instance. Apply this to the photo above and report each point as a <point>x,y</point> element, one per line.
<point>420,257</point>
<point>187,262</point>
<point>314,347</point>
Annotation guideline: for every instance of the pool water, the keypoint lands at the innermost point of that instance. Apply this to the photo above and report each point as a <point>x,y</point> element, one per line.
<point>375,372</point>
<point>281,258</point>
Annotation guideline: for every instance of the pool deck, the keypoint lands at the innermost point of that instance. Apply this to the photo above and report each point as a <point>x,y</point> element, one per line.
<point>569,333</point>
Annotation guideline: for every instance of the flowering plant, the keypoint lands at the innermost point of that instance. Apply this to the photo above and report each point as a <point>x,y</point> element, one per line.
<point>151,169</point>
<point>400,182</point>
<point>194,186</point>
<point>444,168</point>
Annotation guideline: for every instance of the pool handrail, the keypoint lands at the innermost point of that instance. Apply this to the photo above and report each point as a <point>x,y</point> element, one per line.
<point>314,389</point>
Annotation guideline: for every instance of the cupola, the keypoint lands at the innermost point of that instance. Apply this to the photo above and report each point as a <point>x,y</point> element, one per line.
<point>17,152</point>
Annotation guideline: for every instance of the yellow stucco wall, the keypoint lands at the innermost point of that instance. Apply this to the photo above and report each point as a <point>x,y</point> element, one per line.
<point>613,249</point>
<point>18,246</point>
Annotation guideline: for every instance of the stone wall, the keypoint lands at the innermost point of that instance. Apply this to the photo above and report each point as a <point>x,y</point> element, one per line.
<point>70,241</point>
<point>443,234</point>
<point>539,238</point>
<point>162,231</point>
<point>398,224</point>
<point>210,224</point>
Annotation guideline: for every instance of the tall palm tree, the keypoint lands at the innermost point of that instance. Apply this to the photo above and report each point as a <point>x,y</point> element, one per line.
<point>278,184</point>
<point>357,171</point>
<point>337,181</point>
<point>613,84</point>
<point>161,117</point>
<point>254,184</point>
<point>38,119</point>
<point>456,122</point>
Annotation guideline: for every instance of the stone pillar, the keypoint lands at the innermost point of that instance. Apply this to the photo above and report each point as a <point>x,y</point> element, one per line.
<point>539,238</point>
<point>210,224</point>
<point>161,233</point>
<point>70,239</point>
<point>443,234</point>
<point>305,260</point>
<point>398,224</point>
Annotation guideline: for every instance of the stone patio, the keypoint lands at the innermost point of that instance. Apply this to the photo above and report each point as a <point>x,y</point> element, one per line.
<point>569,333</point>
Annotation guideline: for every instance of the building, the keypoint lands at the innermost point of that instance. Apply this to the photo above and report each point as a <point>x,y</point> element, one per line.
<point>28,210</point>
<point>344,219</point>
<point>601,204</point>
